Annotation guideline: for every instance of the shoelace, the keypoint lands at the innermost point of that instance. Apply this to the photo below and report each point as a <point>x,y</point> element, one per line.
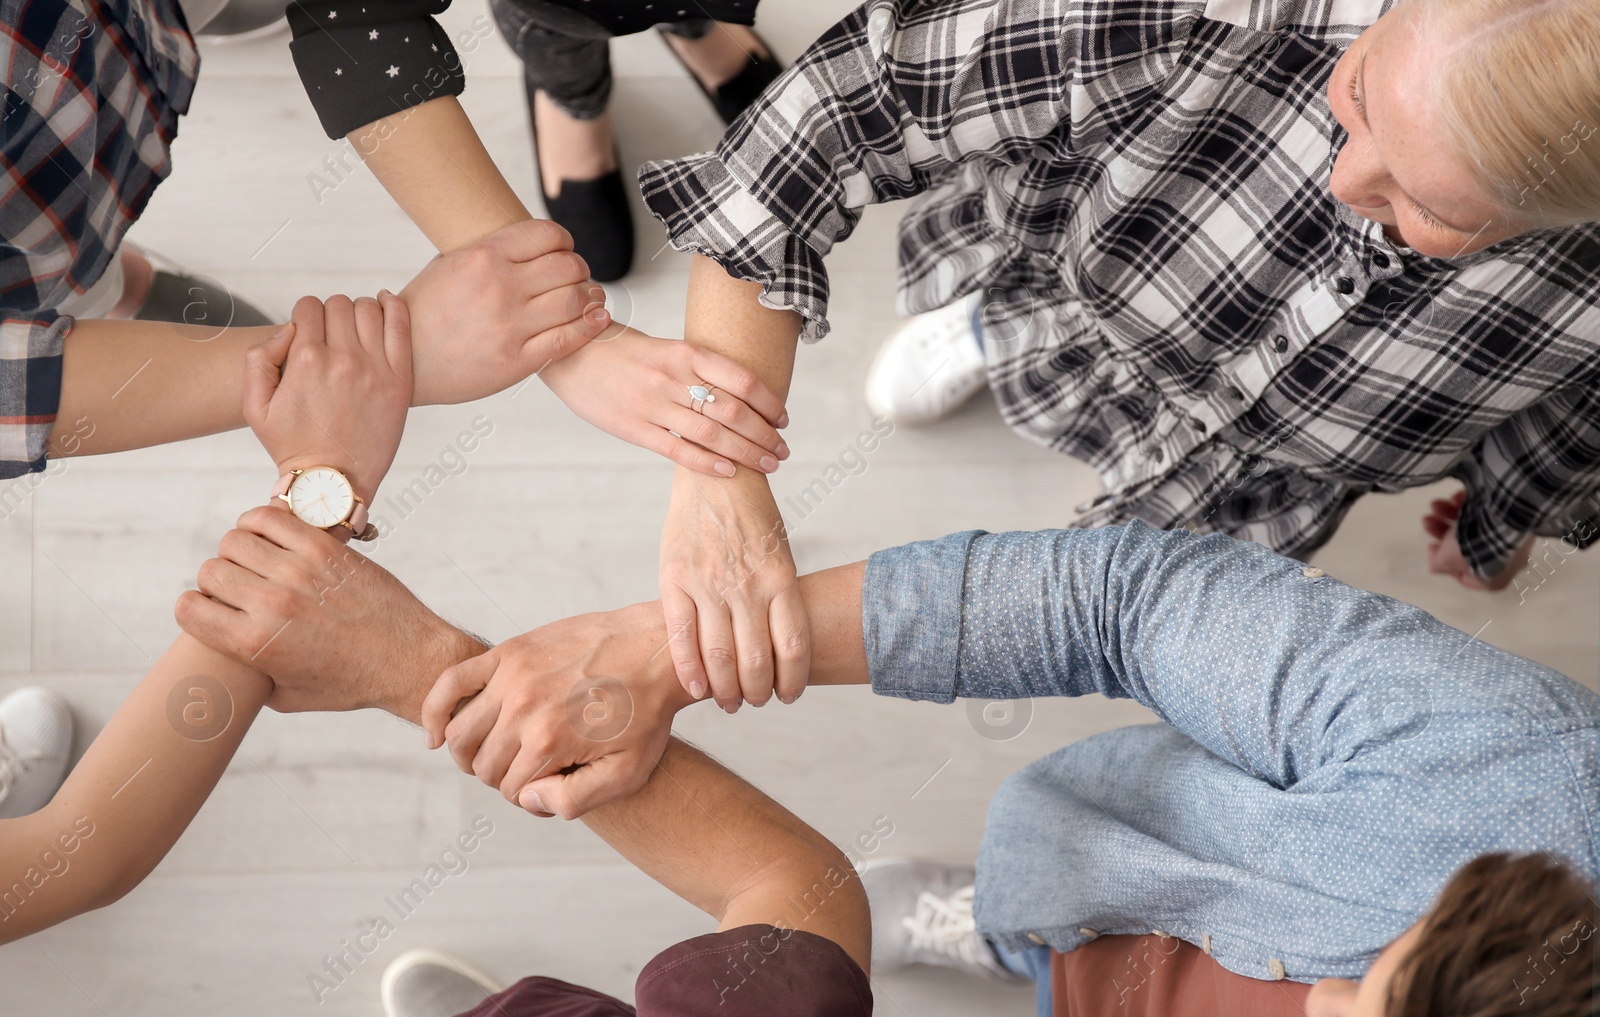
<point>13,764</point>
<point>945,925</point>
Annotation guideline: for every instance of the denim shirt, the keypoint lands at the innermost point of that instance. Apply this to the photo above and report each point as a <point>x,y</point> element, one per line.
<point>1329,756</point>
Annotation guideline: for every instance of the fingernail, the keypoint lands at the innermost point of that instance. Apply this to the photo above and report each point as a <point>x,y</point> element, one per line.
<point>532,802</point>
<point>384,293</point>
<point>783,450</point>
<point>283,331</point>
<point>731,708</point>
<point>600,316</point>
<point>697,689</point>
<point>768,464</point>
<point>597,294</point>
<point>726,469</point>
<point>787,700</point>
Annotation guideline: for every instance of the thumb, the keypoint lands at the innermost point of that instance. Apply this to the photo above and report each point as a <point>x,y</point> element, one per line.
<point>590,786</point>
<point>552,344</point>
<point>263,368</point>
<point>463,681</point>
<point>396,333</point>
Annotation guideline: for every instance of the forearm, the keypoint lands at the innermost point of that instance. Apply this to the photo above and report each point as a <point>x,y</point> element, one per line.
<point>432,162</point>
<point>132,384</point>
<point>134,792</point>
<point>731,851</point>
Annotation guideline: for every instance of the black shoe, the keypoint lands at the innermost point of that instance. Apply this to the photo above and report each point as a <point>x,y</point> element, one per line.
<point>735,95</point>
<point>595,212</point>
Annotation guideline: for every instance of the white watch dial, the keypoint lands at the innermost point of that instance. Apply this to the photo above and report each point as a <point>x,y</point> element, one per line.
<point>322,497</point>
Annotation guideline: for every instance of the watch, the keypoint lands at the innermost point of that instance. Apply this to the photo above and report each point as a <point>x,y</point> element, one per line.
<point>323,497</point>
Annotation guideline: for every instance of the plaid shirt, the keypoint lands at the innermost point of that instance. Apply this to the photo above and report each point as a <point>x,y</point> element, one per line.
<point>92,99</point>
<point>1140,191</point>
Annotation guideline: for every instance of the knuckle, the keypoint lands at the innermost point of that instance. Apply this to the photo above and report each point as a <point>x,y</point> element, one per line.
<point>718,656</point>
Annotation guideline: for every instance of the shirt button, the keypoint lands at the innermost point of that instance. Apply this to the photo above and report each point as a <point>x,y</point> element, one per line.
<point>1313,573</point>
<point>1233,392</point>
<point>1157,454</point>
<point>1281,344</point>
<point>1380,259</point>
<point>1345,285</point>
<point>1198,425</point>
<point>1034,937</point>
<point>1089,932</point>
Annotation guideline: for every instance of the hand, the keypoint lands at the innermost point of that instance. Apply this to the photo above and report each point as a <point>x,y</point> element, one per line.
<point>1444,552</point>
<point>332,388</point>
<point>564,718</point>
<point>487,315</point>
<point>636,387</point>
<point>732,602</point>
<point>332,628</point>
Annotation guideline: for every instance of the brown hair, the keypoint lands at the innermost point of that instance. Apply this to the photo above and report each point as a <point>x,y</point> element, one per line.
<point>1508,935</point>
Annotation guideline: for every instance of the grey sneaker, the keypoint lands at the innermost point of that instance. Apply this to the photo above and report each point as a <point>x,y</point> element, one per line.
<point>35,747</point>
<point>922,914</point>
<point>427,983</point>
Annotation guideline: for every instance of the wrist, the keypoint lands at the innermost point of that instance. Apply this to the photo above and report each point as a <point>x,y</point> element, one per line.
<point>647,623</point>
<point>443,647</point>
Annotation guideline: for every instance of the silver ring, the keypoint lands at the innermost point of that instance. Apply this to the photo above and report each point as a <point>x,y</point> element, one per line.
<point>699,395</point>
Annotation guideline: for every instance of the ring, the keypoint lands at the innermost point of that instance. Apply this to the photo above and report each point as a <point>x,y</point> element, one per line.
<point>699,395</point>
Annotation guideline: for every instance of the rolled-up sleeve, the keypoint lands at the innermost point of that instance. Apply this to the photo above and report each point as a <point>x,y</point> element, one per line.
<point>883,106</point>
<point>363,61</point>
<point>30,388</point>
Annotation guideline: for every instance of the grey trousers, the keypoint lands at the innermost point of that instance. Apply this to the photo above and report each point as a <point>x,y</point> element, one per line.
<point>567,55</point>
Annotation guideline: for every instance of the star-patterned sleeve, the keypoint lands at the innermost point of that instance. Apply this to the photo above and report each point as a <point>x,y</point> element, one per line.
<point>363,60</point>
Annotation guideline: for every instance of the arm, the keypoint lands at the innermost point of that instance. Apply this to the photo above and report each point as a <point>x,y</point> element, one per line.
<point>1538,473</point>
<point>134,792</point>
<point>734,853</point>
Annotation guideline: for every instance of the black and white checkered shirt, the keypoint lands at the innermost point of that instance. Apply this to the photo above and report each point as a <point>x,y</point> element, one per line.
<point>1139,189</point>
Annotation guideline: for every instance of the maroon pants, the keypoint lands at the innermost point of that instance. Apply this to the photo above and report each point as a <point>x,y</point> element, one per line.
<point>751,971</point>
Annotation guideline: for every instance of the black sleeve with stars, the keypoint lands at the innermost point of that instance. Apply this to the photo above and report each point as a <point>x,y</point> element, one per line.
<point>363,60</point>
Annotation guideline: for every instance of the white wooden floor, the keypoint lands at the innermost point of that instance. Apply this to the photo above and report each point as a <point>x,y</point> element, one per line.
<point>322,817</point>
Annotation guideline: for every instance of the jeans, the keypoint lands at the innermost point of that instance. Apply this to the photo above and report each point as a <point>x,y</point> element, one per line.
<point>566,54</point>
<point>1033,963</point>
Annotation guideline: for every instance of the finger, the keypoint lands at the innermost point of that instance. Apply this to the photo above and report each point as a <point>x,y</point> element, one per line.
<point>753,649</point>
<point>686,453</point>
<point>1450,510</point>
<point>470,726</point>
<point>499,747</point>
<point>791,643</point>
<point>531,763</point>
<point>551,274</point>
<point>263,371</point>
<point>1435,527</point>
<point>462,681</point>
<point>530,239</point>
<point>588,787</point>
<point>683,642</point>
<point>550,345</point>
<point>339,323</point>
<point>396,334</point>
<point>215,624</point>
<point>744,422</point>
<point>732,376</point>
<point>308,322</point>
<point>263,557</point>
<point>1460,498</point>
<point>717,651</point>
<point>700,429</point>
<point>289,531</point>
<point>237,587</point>
<point>369,323</point>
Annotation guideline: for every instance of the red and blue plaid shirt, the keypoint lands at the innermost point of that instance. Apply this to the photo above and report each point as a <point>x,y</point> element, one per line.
<point>92,100</point>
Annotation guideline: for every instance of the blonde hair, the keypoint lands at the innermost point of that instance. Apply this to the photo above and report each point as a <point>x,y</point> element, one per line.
<point>1519,93</point>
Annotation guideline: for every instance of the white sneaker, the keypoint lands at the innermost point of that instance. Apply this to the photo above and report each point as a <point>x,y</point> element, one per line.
<point>922,914</point>
<point>35,747</point>
<point>929,367</point>
<point>427,983</point>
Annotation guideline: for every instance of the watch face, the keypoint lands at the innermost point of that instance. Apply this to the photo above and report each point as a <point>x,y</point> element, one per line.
<point>322,497</point>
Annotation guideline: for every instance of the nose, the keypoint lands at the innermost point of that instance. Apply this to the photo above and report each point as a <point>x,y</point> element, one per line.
<point>1358,178</point>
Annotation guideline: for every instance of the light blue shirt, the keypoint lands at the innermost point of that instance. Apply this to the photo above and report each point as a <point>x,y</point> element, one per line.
<point>1329,756</point>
